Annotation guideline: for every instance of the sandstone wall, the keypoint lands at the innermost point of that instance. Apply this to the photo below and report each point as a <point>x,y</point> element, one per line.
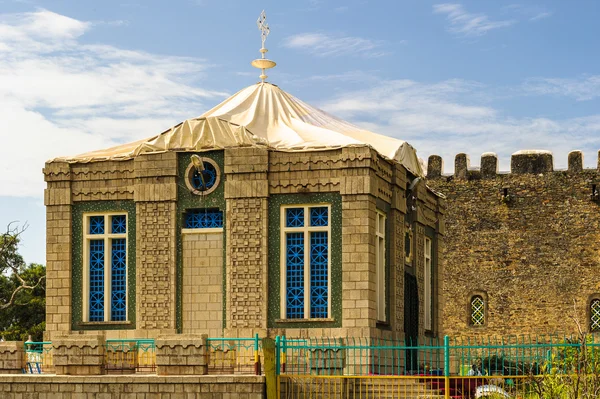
<point>151,188</point>
<point>529,240</point>
<point>133,386</point>
<point>203,283</point>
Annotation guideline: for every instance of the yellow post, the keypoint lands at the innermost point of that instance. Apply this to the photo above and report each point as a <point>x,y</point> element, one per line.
<point>268,345</point>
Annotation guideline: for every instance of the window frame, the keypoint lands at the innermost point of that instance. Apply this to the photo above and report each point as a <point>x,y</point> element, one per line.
<point>107,237</point>
<point>428,283</point>
<point>306,230</point>
<point>189,175</point>
<point>592,301</point>
<point>381,265</point>
<point>484,310</point>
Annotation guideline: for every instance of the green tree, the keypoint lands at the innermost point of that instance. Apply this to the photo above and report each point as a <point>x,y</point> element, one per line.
<point>22,291</point>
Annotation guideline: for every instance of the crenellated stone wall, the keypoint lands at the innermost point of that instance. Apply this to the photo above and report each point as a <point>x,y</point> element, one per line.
<point>528,241</point>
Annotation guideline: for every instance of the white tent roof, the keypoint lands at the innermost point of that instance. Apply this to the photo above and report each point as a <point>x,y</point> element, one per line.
<point>266,116</point>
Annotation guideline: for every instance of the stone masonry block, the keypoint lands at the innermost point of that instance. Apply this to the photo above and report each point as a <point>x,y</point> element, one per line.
<point>328,359</point>
<point>12,355</point>
<point>183,354</point>
<point>79,354</point>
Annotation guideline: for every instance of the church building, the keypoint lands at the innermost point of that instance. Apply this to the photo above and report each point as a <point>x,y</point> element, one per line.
<point>264,215</point>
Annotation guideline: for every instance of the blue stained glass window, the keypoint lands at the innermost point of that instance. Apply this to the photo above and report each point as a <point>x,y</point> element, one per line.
<point>318,274</point>
<point>319,216</point>
<point>118,224</point>
<point>294,217</point>
<point>118,284</point>
<point>203,219</point>
<point>204,180</point>
<point>295,275</point>
<point>97,279</point>
<point>96,224</point>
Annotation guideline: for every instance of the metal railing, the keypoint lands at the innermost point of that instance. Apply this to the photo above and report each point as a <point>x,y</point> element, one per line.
<point>125,356</point>
<point>503,367</point>
<point>234,355</point>
<point>360,356</point>
<point>38,358</point>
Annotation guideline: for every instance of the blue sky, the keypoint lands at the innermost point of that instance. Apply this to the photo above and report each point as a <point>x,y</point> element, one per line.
<point>470,76</point>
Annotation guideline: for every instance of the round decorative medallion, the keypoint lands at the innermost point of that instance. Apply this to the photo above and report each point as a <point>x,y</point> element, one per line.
<point>203,179</point>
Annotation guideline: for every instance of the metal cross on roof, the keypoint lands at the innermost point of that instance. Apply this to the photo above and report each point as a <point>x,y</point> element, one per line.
<point>263,26</point>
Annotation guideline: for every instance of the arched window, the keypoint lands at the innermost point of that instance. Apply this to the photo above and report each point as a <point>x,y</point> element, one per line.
<point>595,315</point>
<point>477,310</point>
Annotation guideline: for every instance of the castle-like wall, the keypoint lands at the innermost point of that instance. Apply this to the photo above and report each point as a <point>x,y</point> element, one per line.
<point>527,241</point>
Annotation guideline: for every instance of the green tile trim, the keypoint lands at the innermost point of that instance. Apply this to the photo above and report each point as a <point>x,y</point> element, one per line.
<point>187,200</point>
<point>275,203</point>
<point>78,209</point>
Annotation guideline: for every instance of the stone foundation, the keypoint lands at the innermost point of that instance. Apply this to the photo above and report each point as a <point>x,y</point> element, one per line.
<point>125,387</point>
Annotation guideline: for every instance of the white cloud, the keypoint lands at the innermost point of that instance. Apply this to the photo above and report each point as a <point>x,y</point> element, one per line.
<point>467,24</point>
<point>541,15</point>
<point>532,12</point>
<point>327,45</point>
<point>582,89</point>
<point>61,97</point>
<point>445,119</point>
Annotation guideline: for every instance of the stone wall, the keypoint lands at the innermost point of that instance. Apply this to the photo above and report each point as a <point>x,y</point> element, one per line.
<point>246,192</point>
<point>155,195</point>
<point>155,263</point>
<point>251,178</point>
<point>57,198</point>
<point>203,283</point>
<point>246,265</point>
<point>529,241</point>
<point>133,386</point>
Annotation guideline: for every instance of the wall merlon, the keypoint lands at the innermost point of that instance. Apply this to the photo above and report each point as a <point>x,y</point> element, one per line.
<point>435,167</point>
<point>462,163</point>
<point>489,164</point>
<point>531,161</point>
<point>575,161</point>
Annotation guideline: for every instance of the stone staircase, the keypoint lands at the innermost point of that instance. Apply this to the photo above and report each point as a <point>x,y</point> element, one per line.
<point>358,388</point>
<point>394,388</point>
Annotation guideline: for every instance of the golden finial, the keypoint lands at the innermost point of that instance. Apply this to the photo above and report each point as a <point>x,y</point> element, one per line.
<point>263,63</point>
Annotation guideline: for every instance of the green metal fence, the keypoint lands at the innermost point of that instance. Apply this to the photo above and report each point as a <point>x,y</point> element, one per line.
<point>125,356</point>
<point>512,355</point>
<point>234,355</point>
<point>508,367</point>
<point>38,358</point>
